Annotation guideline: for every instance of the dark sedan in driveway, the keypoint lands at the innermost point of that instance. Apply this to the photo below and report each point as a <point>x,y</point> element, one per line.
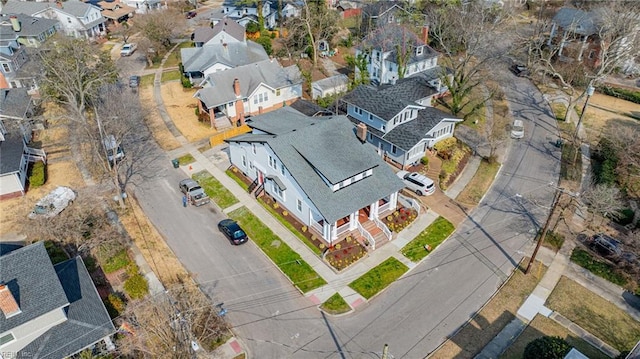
<point>232,230</point>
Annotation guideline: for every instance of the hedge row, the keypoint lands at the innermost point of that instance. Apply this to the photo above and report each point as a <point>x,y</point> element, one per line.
<point>633,96</point>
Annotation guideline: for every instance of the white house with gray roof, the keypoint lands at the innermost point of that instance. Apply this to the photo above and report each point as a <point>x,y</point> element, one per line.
<point>320,171</point>
<point>76,18</point>
<point>30,31</point>
<point>221,48</point>
<point>231,95</point>
<point>400,123</point>
<point>48,311</point>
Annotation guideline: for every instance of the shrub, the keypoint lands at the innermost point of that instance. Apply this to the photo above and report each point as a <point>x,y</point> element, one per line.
<point>136,286</point>
<point>633,96</point>
<point>547,348</point>
<point>265,41</point>
<point>197,111</point>
<point>114,304</point>
<point>446,144</point>
<point>626,217</point>
<point>606,162</point>
<point>425,160</point>
<point>37,175</point>
<point>186,83</point>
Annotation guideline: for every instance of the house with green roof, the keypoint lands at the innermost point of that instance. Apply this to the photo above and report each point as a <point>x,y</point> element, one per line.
<point>322,171</point>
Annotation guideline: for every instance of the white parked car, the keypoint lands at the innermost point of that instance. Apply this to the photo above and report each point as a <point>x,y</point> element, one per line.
<point>53,203</point>
<point>517,129</point>
<point>418,183</point>
<point>128,49</point>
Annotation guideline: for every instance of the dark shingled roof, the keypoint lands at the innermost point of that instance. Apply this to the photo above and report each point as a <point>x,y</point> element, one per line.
<point>307,107</point>
<point>387,37</point>
<point>30,276</point>
<point>29,26</point>
<point>377,102</point>
<point>230,27</point>
<point>11,153</point>
<point>408,134</point>
<point>87,319</point>
<point>329,146</point>
<point>203,34</point>
<point>14,102</point>
<point>578,21</point>
<point>411,88</point>
<point>378,8</point>
<point>280,122</point>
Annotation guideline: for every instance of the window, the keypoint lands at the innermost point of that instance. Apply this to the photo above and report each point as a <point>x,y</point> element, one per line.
<point>393,149</point>
<point>244,161</point>
<point>370,136</point>
<point>7,338</point>
<point>390,19</point>
<point>277,191</point>
<point>253,148</point>
<point>377,55</point>
<point>69,20</point>
<point>299,205</point>
<point>272,163</point>
<point>6,68</point>
<point>419,50</point>
<point>282,169</point>
<point>370,117</point>
<point>278,92</point>
<point>358,110</point>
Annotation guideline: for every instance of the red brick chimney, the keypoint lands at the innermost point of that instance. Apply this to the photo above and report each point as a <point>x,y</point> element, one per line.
<point>8,303</point>
<point>361,132</point>
<point>15,23</point>
<point>236,87</point>
<point>425,34</point>
<point>3,82</point>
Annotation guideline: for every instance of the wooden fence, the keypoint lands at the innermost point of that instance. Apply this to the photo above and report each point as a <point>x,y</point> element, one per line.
<point>219,137</point>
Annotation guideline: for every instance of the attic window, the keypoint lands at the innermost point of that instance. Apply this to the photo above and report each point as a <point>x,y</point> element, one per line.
<point>419,50</point>
<point>7,338</point>
<point>390,19</point>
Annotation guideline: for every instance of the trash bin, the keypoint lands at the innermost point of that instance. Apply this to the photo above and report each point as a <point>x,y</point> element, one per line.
<point>175,163</point>
<point>558,143</point>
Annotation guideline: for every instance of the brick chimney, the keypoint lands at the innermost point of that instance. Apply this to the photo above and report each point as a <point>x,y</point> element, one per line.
<point>361,132</point>
<point>425,34</point>
<point>236,87</point>
<point>15,23</point>
<point>3,82</point>
<point>8,303</point>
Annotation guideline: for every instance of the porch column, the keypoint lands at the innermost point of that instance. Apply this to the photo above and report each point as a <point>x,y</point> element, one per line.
<point>393,200</point>
<point>552,34</point>
<point>373,212</point>
<point>562,43</point>
<point>353,217</point>
<point>582,47</point>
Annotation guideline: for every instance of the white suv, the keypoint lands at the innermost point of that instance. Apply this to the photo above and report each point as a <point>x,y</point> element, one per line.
<point>128,49</point>
<point>420,184</point>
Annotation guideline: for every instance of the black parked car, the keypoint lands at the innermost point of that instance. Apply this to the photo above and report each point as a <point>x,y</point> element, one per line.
<point>232,230</point>
<point>191,14</point>
<point>520,70</point>
<point>134,81</point>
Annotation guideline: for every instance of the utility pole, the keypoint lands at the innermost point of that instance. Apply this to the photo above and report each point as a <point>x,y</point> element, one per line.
<point>385,352</point>
<point>576,149</point>
<point>556,201</point>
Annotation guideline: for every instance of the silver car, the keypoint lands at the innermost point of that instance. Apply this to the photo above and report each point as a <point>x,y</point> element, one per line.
<point>194,192</point>
<point>418,183</point>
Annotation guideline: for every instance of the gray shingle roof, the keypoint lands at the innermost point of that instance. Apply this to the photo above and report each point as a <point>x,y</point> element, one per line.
<point>410,133</point>
<point>202,34</point>
<point>230,27</point>
<point>388,36</point>
<point>11,154</point>
<point>88,320</point>
<point>29,26</point>
<point>378,8</point>
<point>329,146</point>
<point>332,81</point>
<point>267,72</point>
<point>198,59</point>
<point>377,102</point>
<point>306,107</point>
<point>411,88</point>
<point>14,103</point>
<point>30,276</point>
<point>280,122</point>
<point>578,21</point>
<point>72,7</point>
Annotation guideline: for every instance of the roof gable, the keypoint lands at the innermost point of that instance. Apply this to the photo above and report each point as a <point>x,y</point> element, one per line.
<point>230,27</point>
<point>387,37</point>
<point>379,103</point>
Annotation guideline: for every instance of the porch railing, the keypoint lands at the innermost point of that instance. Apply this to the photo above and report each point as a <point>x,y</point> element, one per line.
<point>342,229</point>
<point>315,225</point>
<point>385,207</point>
<point>366,235</point>
<point>411,202</point>
<point>35,154</point>
<point>384,228</point>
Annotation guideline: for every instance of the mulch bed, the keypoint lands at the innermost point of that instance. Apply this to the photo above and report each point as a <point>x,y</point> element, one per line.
<point>400,219</point>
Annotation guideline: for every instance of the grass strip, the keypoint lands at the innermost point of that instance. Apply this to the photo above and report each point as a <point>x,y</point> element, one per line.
<point>594,314</point>
<point>480,183</point>
<point>585,260</point>
<point>186,159</point>
<point>237,179</point>
<point>115,262</point>
<point>335,305</point>
<point>172,75</point>
<point>215,190</point>
<point>432,236</point>
<point>379,277</point>
<point>293,229</point>
<point>289,262</point>
<point>147,80</point>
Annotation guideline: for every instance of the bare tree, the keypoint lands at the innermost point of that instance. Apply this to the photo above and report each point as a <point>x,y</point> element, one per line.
<point>165,325</point>
<point>158,29</point>
<point>603,199</point>
<point>466,37</point>
<point>626,143</point>
<point>72,73</point>
<point>316,23</point>
<point>82,227</point>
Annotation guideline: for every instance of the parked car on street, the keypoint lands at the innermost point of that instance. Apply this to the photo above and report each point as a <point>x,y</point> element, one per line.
<point>517,129</point>
<point>115,153</point>
<point>418,183</point>
<point>53,203</point>
<point>607,245</point>
<point>191,14</point>
<point>520,70</point>
<point>194,192</point>
<point>128,49</point>
<point>231,229</point>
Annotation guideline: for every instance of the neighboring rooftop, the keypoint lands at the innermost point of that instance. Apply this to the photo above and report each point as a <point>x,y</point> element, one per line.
<point>75,8</point>
<point>11,150</point>
<point>379,103</point>
<point>387,37</point>
<point>14,103</point>
<point>379,8</point>
<point>578,21</point>
<point>30,26</point>
<point>230,27</point>
<point>203,34</point>
<point>234,54</point>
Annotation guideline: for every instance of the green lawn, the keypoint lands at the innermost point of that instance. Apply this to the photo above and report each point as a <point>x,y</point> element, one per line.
<point>147,80</point>
<point>118,261</point>
<point>237,179</point>
<point>602,269</point>
<point>293,229</point>
<point>559,110</point>
<point>174,59</point>
<point>480,183</point>
<point>379,277</point>
<point>335,305</point>
<point>433,235</point>
<point>290,263</point>
<point>186,159</point>
<point>170,75</point>
<point>553,240</point>
<point>215,190</point>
